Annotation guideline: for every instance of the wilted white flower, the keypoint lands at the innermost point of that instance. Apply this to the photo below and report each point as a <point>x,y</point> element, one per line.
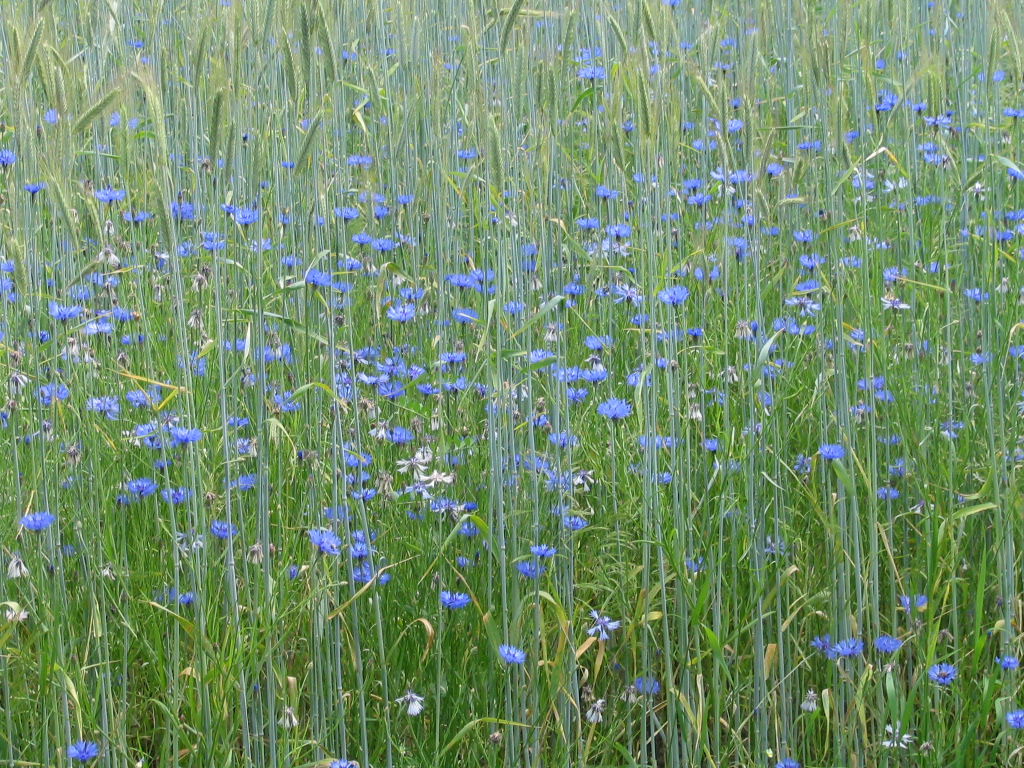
<point>18,381</point>
<point>596,712</point>
<point>288,719</point>
<point>583,479</point>
<point>16,569</point>
<point>810,702</point>
<point>255,553</point>
<point>412,701</point>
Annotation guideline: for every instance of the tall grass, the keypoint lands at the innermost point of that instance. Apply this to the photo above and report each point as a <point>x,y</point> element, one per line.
<point>535,384</point>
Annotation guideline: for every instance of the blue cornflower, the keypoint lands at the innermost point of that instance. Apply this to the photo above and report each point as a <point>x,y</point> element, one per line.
<point>399,435</point>
<point>618,231</point>
<point>576,394</point>
<point>83,751</point>
<point>37,521</point>
<point>787,762</point>
<point>613,408</point>
<point>849,647</point>
<point>244,482</point>
<point>7,158</point>
<point>590,72</point>
<point>647,686</point>
<point>943,674</point>
<point>401,313</point>
<point>887,644</point>
<point>530,569</point>
<point>602,626</point>
<point>181,436</point>
<point>920,602</point>
<point>831,451</point>
<point>511,655</point>
<point>1008,662</point>
<point>822,643</point>
<point>176,495</point>
<point>674,295</point>
<point>325,540</point>
<point>574,522</point>
<point>286,402</point>
<point>50,392</point>
<point>108,406</point>
<point>62,313</point>
<point>1015,719</point>
<point>222,529</point>
<point>136,217</point>
<point>108,195</point>
<point>141,487</point>
<point>317,278</point>
<point>454,600</point>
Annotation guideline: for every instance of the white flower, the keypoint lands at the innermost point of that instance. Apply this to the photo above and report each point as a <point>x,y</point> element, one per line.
<point>596,712</point>
<point>14,613</point>
<point>896,739</point>
<point>436,477</point>
<point>890,302</point>
<point>413,702</point>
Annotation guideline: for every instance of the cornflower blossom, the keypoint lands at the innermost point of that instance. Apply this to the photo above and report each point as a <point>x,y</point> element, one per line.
<point>942,674</point>
<point>614,409</point>
<point>83,751</point>
<point>602,626</point>
<point>848,648</point>
<point>831,451</point>
<point>454,600</point>
<point>511,655</point>
<point>37,521</point>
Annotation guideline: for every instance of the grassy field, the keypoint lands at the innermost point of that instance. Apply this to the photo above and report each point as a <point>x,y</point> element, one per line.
<point>456,383</point>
